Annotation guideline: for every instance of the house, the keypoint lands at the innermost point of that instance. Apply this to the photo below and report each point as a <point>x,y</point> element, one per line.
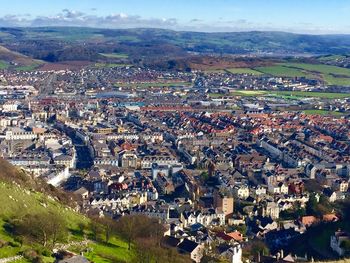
<point>296,188</point>
<point>266,225</point>
<point>82,192</point>
<point>224,203</point>
<point>206,217</point>
<point>309,220</point>
<point>232,253</point>
<point>336,242</point>
<point>340,185</point>
<point>330,218</point>
<point>278,188</point>
<point>260,190</point>
<point>330,194</point>
<point>271,209</point>
<point>191,248</point>
<point>242,191</point>
<point>236,254</point>
<point>236,235</point>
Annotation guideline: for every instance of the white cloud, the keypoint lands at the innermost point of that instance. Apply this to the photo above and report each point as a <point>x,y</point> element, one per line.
<point>69,17</point>
<point>76,18</point>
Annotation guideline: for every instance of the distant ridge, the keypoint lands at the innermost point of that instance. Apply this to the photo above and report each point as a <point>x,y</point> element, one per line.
<point>78,43</point>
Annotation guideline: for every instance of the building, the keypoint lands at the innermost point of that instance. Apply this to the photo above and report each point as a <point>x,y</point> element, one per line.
<point>191,248</point>
<point>336,242</point>
<point>224,203</point>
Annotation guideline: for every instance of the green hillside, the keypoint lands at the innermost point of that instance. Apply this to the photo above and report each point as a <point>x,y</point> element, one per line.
<point>36,219</point>
<point>18,202</point>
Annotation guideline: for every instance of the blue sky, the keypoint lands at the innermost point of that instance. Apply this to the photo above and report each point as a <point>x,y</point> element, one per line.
<point>304,16</point>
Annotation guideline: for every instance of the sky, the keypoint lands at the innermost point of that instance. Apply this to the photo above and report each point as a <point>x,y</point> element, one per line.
<point>298,16</point>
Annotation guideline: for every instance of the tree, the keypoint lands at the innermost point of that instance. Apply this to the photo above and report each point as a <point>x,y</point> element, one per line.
<point>96,229</point>
<point>82,227</point>
<point>148,251</point>
<point>108,227</point>
<point>345,244</point>
<point>129,227</point>
<point>311,205</point>
<point>44,228</point>
<point>258,246</point>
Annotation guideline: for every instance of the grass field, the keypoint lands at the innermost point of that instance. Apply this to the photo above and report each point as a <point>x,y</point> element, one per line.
<point>322,112</point>
<point>115,251</point>
<point>331,57</point>
<point>243,71</point>
<point>307,94</point>
<point>332,75</point>
<point>153,84</point>
<point>15,201</point>
<point>111,65</point>
<point>27,68</point>
<point>3,65</point>
<point>296,94</point>
<point>114,55</point>
<point>332,80</point>
<point>324,69</point>
<point>284,71</point>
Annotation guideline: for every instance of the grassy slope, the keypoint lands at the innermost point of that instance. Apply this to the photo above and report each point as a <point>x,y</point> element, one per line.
<point>23,62</point>
<point>16,201</point>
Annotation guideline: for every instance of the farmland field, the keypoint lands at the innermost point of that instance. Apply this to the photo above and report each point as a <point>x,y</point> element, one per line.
<point>27,68</point>
<point>114,55</point>
<point>3,65</point>
<point>295,94</point>
<point>307,94</point>
<point>322,112</point>
<point>284,71</point>
<point>332,75</point>
<point>324,69</point>
<point>111,65</point>
<point>243,71</point>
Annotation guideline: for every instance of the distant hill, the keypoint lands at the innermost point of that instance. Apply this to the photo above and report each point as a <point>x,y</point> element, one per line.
<point>69,43</point>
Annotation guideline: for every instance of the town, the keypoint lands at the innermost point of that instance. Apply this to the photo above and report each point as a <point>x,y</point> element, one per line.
<point>228,162</point>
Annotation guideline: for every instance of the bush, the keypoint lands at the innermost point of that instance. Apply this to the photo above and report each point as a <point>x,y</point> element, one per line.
<point>14,244</point>
<point>30,254</point>
<point>3,243</point>
<point>46,253</point>
<point>38,259</point>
